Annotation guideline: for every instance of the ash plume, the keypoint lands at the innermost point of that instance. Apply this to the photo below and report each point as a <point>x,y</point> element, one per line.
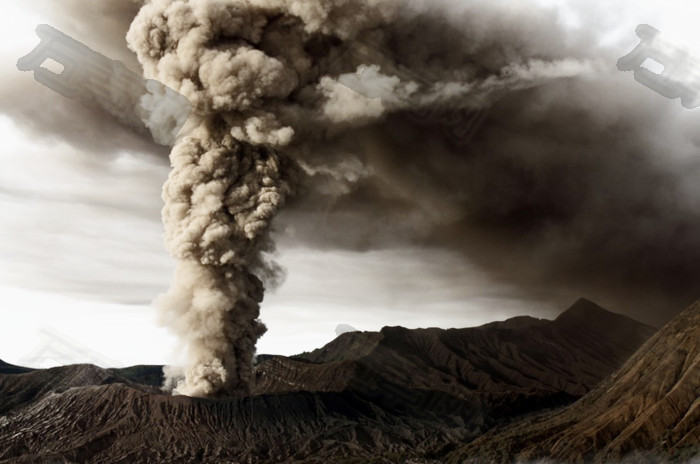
<point>266,81</point>
<point>232,60</point>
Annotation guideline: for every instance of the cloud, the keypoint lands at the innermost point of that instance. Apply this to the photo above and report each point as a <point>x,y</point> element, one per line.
<point>577,183</point>
<point>80,224</point>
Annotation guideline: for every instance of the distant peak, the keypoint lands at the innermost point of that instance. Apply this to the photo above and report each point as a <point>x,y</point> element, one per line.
<point>586,308</point>
<point>588,313</point>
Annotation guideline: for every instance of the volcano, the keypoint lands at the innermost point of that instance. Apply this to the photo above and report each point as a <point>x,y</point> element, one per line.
<point>382,396</point>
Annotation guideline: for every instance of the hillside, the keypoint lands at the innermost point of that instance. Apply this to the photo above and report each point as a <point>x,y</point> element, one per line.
<point>373,397</point>
<point>648,409</point>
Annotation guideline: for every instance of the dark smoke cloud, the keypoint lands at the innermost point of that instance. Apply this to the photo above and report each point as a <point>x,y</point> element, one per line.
<point>579,185</point>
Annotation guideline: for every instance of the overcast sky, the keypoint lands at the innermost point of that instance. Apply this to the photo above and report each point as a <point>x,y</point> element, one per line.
<point>81,252</point>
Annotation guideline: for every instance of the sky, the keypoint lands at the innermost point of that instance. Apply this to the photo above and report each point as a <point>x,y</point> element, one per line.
<point>81,239</point>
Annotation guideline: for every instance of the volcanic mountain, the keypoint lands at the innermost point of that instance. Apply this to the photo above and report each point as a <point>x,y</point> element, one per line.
<point>648,410</point>
<point>502,368</point>
<point>385,396</point>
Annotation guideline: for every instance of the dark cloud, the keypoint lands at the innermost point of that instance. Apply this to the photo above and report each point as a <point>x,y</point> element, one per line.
<point>580,185</point>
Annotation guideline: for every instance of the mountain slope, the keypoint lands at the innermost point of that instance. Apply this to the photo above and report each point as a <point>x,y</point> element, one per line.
<point>6,368</point>
<point>119,424</point>
<point>502,369</point>
<point>651,405</point>
<point>18,390</point>
<point>143,374</point>
<point>373,397</point>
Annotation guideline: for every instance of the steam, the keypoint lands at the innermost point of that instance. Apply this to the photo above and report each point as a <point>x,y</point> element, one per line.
<point>269,83</point>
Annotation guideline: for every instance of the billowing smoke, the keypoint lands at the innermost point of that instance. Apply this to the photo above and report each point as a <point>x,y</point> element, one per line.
<point>233,60</point>
<point>272,114</point>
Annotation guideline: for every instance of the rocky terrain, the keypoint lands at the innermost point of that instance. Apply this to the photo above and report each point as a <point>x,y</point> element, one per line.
<point>381,396</point>
<point>648,410</point>
<point>499,370</point>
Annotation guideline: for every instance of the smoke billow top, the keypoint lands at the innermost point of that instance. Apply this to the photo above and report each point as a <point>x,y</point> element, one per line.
<point>555,179</point>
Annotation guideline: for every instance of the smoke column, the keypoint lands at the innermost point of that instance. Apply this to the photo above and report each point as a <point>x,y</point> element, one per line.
<point>228,179</point>
<point>265,80</point>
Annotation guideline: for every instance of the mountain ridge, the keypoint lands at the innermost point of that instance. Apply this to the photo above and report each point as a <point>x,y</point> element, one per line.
<point>648,408</point>
<point>369,396</point>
